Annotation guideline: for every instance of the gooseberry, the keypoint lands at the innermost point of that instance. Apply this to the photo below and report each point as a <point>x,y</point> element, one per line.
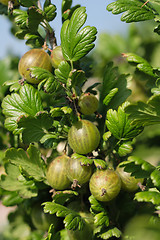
<point>88,103</point>
<point>129,183</point>
<point>56,173</point>
<point>77,173</point>
<point>83,137</point>
<point>34,58</point>
<point>57,56</point>
<point>105,185</point>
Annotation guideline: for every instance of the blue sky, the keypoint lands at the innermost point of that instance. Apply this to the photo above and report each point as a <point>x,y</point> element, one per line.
<point>98,16</point>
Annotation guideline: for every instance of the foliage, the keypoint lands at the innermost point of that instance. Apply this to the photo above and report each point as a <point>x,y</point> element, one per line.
<point>35,120</point>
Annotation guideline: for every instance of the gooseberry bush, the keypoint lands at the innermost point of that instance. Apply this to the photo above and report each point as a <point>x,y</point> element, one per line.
<point>68,163</point>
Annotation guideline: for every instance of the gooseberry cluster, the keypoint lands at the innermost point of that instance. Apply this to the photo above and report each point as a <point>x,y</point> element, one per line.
<point>64,171</point>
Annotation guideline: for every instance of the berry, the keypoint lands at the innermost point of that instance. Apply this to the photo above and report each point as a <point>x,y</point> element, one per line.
<point>83,137</point>
<point>88,103</point>
<point>56,173</point>
<point>34,58</point>
<point>57,56</point>
<point>105,185</point>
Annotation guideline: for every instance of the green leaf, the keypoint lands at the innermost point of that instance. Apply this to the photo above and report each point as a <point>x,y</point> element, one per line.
<point>20,18</point>
<point>101,219</point>
<point>111,232</point>
<point>35,16</point>
<point>155,177</point>
<point>125,148</point>
<point>63,71</point>
<point>84,160</point>
<point>96,206</point>
<point>77,43</point>
<point>34,128</point>
<point>141,63</point>
<point>28,3</point>
<point>50,12</point>
<point>41,74</point>
<point>63,196</point>
<point>48,82</point>
<point>27,102</point>
<point>59,112</point>
<point>148,196</point>
<point>119,124</point>
<point>132,10</point>
<point>50,86</point>
<point>154,1</point>
<point>50,140</point>
<point>144,114</point>
<point>34,40</point>
<point>66,4</point>
<point>11,199</point>
<point>137,167</point>
<point>99,163</point>
<point>76,78</point>
<point>51,232</point>
<point>15,181</point>
<point>29,161</point>
<point>113,80</point>
<point>72,220</point>
<point>109,96</point>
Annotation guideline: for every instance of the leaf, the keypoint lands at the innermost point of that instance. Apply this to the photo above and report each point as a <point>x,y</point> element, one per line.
<point>141,63</point>
<point>100,164</point>
<point>155,177</point>
<point>29,161</point>
<point>27,102</point>
<point>76,78</point>
<point>15,181</point>
<point>101,219</point>
<point>11,199</point>
<point>137,167</point>
<point>145,114</point>
<point>119,124</point>
<point>96,206</point>
<point>50,140</point>
<point>50,12</point>
<point>35,16</point>
<point>113,80</point>
<point>111,232</point>
<point>51,232</point>
<point>28,3</point>
<point>85,161</point>
<point>40,73</point>
<point>59,112</point>
<point>132,10</point>
<point>66,4</point>
<point>155,1</point>
<point>63,196</point>
<point>34,40</point>
<point>72,220</point>
<point>77,43</point>
<point>109,96</point>
<point>50,86</point>
<point>20,18</point>
<point>34,128</point>
<point>148,196</point>
<point>63,71</point>
<point>125,148</point>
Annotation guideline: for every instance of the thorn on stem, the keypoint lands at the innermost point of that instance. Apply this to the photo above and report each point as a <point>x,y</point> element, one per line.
<point>145,3</point>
